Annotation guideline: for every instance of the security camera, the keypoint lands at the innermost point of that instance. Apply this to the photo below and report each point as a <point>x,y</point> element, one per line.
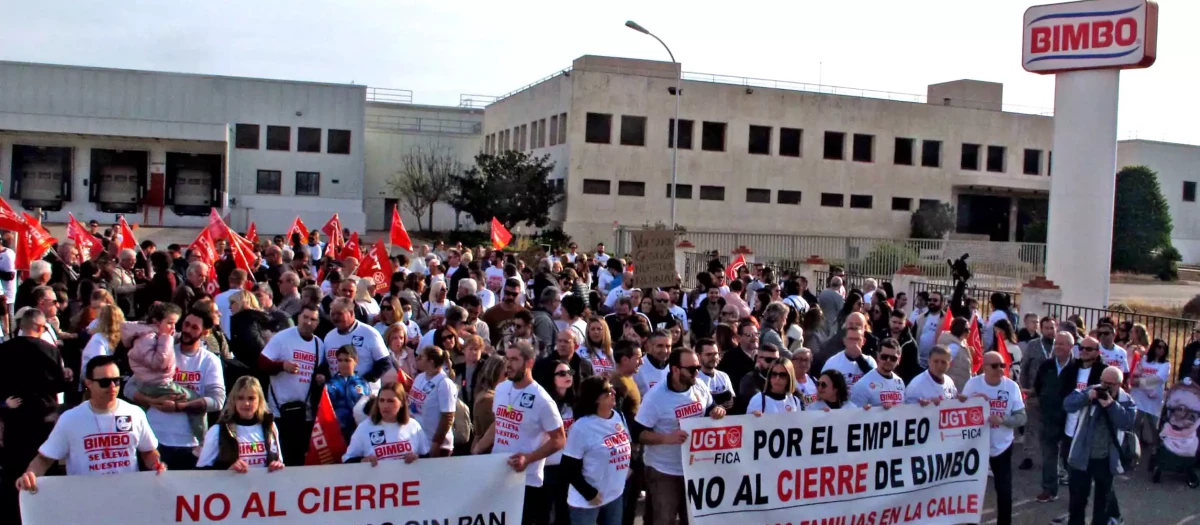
<point>749,91</point>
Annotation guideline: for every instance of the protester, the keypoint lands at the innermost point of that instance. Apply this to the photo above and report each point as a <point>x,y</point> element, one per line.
<point>597,456</point>
<point>926,327</point>
<point>779,394</point>
<point>291,358</point>
<point>1111,354</point>
<point>832,392</point>
<point>598,345</point>
<point>654,369</point>
<point>401,353</point>
<point>466,373</point>
<point>489,377</point>
<point>245,435</point>
<point>718,382</point>
<point>1103,411</point>
<point>506,310</point>
<point>105,339</point>
<point>1007,412</point>
<point>933,385</point>
<point>345,389</point>
<point>372,352</point>
<point>851,362</point>
<point>432,400</point>
<point>1050,388</point>
<point>390,433</point>
<point>1147,387</point>
<point>881,386</point>
<point>560,384</point>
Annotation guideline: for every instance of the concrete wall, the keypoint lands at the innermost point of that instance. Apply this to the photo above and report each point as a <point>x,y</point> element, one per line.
<point>1175,164</point>
<point>973,94</point>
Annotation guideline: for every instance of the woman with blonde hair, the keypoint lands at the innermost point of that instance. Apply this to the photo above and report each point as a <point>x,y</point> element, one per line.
<point>597,346</point>
<point>403,357</point>
<point>438,303</point>
<point>105,336</point>
<point>390,433</point>
<point>363,296</point>
<point>249,329</point>
<point>245,435</point>
<point>779,395</point>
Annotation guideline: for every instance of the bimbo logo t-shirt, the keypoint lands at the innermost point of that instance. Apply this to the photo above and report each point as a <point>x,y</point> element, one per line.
<point>95,443</point>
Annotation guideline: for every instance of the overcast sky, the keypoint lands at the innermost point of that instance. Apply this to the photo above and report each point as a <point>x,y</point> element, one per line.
<point>440,50</point>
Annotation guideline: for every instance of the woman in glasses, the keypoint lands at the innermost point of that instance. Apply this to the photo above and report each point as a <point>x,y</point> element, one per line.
<point>596,459</point>
<point>560,387</point>
<point>832,393</point>
<point>780,394</point>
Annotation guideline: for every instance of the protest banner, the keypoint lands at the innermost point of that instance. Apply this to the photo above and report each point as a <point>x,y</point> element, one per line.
<point>471,490</point>
<point>909,464</point>
<point>654,255</point>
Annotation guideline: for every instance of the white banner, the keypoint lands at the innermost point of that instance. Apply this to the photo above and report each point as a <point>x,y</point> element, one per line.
<point>457,490</point>
<point>845,467</point>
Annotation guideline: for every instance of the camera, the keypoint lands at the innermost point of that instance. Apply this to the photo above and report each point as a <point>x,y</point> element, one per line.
<point>1101,392</point>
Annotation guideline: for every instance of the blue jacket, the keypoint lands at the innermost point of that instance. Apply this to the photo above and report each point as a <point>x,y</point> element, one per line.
<point>344,393</point>
<point>1120,414</point>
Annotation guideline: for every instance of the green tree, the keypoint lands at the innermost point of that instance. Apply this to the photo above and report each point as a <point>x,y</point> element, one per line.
<point>1142,225</point>
<point>511,186</point>
<point>932,221</point>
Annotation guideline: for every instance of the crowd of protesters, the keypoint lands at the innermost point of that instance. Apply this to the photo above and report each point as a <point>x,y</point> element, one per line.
<point>566,366</point>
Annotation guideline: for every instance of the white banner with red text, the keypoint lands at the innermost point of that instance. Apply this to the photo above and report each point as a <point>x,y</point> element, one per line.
<point>909,464</point>
<point>458,490</point>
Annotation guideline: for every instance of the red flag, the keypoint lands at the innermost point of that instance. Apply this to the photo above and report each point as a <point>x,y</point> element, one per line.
<point>9,220</point>
<point>333,229</point>
<point>975,343</point>
<point>252,233</point>
<point>34,242</point>
<point>326,446</point>
<point>500,235</point>
<point>204,247</point>
<point>126,236</point>
<point>732,270</point>
<point>89,246</point>
<point>351,249</point>
<point>243,253</point>
<point>297,227</point>
<point>1002,348</point>
<point>217,228</point>
<point>377,266</point>
<point>399,236</point>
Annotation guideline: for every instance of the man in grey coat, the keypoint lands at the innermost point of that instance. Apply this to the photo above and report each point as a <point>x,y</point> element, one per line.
<point>543,315</point>
<point>1104,412</point>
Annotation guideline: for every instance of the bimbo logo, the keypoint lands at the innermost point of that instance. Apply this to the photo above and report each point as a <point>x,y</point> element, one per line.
<point>1090,35</point>
<point>510,414</point>
<point>960,417</point>
<point>97,441</point>
<point>720,438</point>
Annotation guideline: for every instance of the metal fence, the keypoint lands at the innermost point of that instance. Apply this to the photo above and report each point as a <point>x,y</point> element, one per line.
<point>1177,332</point>
<point>982,295</point>
<point>423,125</point>
<point>851,281</point>
<point>998,265</point>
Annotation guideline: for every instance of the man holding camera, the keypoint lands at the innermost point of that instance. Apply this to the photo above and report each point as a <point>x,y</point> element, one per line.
<point>1104,411</point>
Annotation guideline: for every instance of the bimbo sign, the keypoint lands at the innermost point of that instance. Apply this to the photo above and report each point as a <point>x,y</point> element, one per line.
<point>1094,34</point>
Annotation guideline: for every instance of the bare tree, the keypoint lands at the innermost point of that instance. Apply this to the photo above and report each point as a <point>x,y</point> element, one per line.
<point>426,177</point>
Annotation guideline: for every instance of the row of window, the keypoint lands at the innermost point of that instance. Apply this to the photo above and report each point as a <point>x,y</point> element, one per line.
<point>631,188</point>
<point>270,182</point>
<point>279,138</point>
<point>1189,191</point>
<point>528,136</point>
<point>598,130</point>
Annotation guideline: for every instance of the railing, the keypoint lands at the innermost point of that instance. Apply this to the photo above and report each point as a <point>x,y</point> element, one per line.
<point>982,295</point>
<point>1175,331</point>
<point>566,71</point>
<point>850,281</point>
<point>475,101</point>
<point>424,125</point>
<point>394,96</point>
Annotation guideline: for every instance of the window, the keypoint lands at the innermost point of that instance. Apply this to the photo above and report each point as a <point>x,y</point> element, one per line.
<point>760,143</point>
<point>1189,191</point>
<point>864,148</point>
<point>338,141</point>
<point>524,137</point>
<point>599,128</point>
<point>901,204</point>
<point>308,183</point>
<point>789,142</point>
<point>712,193</point>
<point>904,152</point>
<point>562,128</point>
<point>631,188</point>
<point>788,197</point>
<point>835,145</point>
<point>758,195</point>
<point>596,187</point>
<point>560,185</point>
<point>553,130</point>
<point>685,191</point>
<point>541,142</point>
<point>1033,162</point>
<point>931,153</point>
<point>995,159</point>
<point>533,136</point>
<point>269,182</point>
<point>970,157</point>
<point>833,200</point>
<point>1049,163</point>
<point>279,138</point>
<point>930,203</point>
<point>712,138</point>
<point>686,127</point>
<point>308,140</point>
<point>864,202</point>
<point>246,136</point>
<point>633,131</point>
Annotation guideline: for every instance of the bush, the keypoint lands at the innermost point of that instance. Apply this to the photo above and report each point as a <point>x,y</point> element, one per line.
<point>556,238</point>
<point>885,258</point>
<point>1166,263</point>
<point>932,221</point>
<point>469,238</point>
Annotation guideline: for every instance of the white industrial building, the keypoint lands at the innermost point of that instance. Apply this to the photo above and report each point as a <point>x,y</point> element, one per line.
<point>164,148</point>
<point>1178,168</point>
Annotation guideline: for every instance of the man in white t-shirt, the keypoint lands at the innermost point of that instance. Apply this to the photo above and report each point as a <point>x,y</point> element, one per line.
<point>657,427</point>
<point>527,426</point>
<point>101,436</point>
<point>373,354</point>
<point>932,385</point>
<point>926,328</point>
<point>1112,354</point>
<point>572,252</point>
<point>881,386</point>
<point>291,357</point>
<point>718,382</point>
<point>495,273</point>
<point>600,257</point>
<point>851,362</point>
<point>1007,412</point>
<point>236,280</point>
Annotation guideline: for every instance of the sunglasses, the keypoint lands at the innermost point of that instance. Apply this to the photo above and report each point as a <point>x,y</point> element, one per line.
<point>691,369</point>
<point>562,373</point>
<point>996,366</point>
<point>107,382</point>
<point>511,294</point>
<point>662,301</point>
<point>888,357</point>
<point>1102,334</point>
<point>779,374</point>
<point>1089,348</point>
<point>824,384</point>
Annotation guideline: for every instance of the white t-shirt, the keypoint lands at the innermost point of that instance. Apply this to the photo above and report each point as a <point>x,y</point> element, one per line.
<point>807,391</point>
<point>770,405</point>
<point>95,443</point>
<point>1115,356</point>
<point>680,315</point>
<point>847,367</point>
<point>661,410</point>
<point>610,300</point>
<point>924,387</point>
<point>428,400</point>
<point>1004,399</point>
<point>875,390</point>
<point>200,372</point>
<point>495,279</point>
<point>568,419</point>
<point>487,299</point>
<point>366,341</point>
<point>434,308</point>
<point>648,376</point>
<point>603,445</point>
<point>387,441</point>
<point>989,333</point>
<point>820,405</point>
<point>601,259</point>
<point>604,280</point>
<point>289,346</point>
<point>1081,383</point>
<point>717,384</point>
<point>523,417</point>
<point>1147,371</point>
<point>222,303</point>
<point>929,333</point>
<point>8,259</point>
<point>252,445</point>
<point>600,362</point>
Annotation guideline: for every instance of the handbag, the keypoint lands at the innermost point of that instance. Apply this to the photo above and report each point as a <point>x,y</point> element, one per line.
<point>1128,447</point>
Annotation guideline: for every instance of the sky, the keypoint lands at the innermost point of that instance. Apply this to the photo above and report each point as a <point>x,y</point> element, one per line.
<point>441,50</point>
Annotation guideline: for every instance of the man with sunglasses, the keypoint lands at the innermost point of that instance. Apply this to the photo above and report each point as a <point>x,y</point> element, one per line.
<point>1007,412</point>
<point>657,427</point>
<point>506,310</point>
<point>926,327</point>
<point>881,386</point>
<point>1110,353</point>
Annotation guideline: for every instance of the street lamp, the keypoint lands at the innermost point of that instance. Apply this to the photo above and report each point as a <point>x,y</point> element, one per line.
<point>675,125</point>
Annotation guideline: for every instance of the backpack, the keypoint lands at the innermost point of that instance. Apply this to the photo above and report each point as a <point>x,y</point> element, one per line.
<point>462,429</point>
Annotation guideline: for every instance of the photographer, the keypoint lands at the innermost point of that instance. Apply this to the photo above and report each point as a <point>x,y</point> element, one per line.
<point>1104,410</point>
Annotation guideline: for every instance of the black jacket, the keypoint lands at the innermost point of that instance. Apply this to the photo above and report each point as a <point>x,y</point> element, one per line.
<point>466,392</point>
<point>1048,386</point>
<point>1188,364</point>
<point>33,373</point>
<point>1066,383</point>
<point>248,335</point>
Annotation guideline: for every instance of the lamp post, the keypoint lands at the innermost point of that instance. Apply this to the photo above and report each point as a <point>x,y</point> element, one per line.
<point>675,124</point>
